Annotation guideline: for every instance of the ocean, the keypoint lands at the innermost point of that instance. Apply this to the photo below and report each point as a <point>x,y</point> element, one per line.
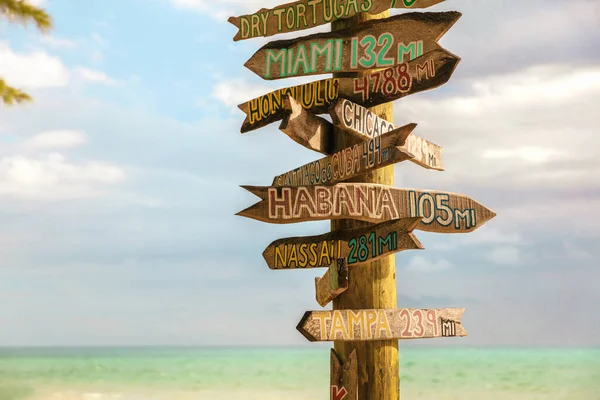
<point>290,374</point>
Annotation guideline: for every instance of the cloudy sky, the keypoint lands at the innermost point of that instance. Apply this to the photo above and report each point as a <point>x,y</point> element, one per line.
<point>119,184</point>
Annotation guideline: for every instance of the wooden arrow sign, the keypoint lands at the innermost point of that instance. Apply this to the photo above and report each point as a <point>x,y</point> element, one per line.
<point>442,212</point>
<point>305,128</point>
<point>308,14</point>
<point>382,43</point>
<point>356,246</point>
<point>424,73</point>
<point>363,123</point>
<point>352,161</point>
<point>369,325</point>
<point>333,283</point>
<point>343,378</point>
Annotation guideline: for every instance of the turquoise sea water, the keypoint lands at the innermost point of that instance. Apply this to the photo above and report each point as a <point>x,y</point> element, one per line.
<point>281,374</point>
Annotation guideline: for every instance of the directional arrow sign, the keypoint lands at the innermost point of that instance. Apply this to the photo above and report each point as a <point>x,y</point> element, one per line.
<point>357,246</point>
<point>307,14</point>
<point>363,123</point>
<point>333,283</point>
<point>305,128</point>
<point>381,43</point>
<point>370,325</point>
<point>426,72</point>
<point>442,212</point>
<point>352,161</point>
<point>343,378</point>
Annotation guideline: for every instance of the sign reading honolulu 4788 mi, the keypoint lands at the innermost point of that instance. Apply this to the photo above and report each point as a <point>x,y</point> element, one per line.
<point>424,73</point>
<point>442,212</point>
<point>373,44</point>
<point>307,14</point>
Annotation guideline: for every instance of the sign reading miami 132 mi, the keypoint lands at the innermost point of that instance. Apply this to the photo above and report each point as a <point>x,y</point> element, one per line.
<point>373,44</point>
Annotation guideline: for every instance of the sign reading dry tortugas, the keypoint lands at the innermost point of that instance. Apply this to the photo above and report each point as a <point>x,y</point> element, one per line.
<point>308,14</point>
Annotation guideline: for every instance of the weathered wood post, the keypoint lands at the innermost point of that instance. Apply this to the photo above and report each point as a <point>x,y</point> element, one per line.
<point>376,62</point>
<point>372,286</point>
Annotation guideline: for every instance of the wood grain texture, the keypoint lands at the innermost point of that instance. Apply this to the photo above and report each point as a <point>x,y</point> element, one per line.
<point>427,72</point>
<point>359,159</point>
<point>333,283</point>
<point>374,284</point>
<point>382,324</point>
<point>306,14</point>
<point>305,128</point>
<point>442,212</point>
<point>359,121</point>
<point>381,43</point>
<point>343,377</point>
<point>320,251</point>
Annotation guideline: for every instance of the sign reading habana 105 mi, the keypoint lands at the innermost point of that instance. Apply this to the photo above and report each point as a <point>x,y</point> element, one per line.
<point>382,324</point>
<point>352,161</point>
<point>307,14</point>
<point>357,246</point>
<point>441,212</point>
<point>374,44</point>
<point>427,72</point>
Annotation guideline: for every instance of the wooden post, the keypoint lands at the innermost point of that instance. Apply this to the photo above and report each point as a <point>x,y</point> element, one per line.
<point>372,286</point>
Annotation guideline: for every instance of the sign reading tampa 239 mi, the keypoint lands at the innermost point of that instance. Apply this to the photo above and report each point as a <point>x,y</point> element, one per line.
<point>442,212</point>
<point>306,14</point>
<point>373,44</point>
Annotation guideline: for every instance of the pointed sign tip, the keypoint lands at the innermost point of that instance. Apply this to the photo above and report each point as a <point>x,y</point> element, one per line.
<point>300,327</point>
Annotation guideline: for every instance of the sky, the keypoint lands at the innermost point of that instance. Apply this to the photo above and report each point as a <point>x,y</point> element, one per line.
<point>120,183</point>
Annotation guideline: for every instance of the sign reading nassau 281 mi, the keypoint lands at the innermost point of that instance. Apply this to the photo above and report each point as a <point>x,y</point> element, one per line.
<point>373,44</point>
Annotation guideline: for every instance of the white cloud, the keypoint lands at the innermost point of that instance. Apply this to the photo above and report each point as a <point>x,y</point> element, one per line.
<point>421,264</point>
<point>32,70</point>
<point>509,255</point>
<point>53,178</point>
<point>236,91</point>
<point>37,3</point>
<point>58,43</point>
<point>483,236</point>
<point>55,139</point>
<point>95,76</point>
<point>533,155</point>
<point>575,253</point>
<point>224,8</point>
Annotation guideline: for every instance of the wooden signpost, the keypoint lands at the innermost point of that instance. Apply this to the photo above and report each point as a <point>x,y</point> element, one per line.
<point>343,377</point>
<point>375,59</point>
<point>333,283</point>
<point>442,212</point>
<point>357,247</point>
<point>423,73</point>
<point>308,14</point>
<point>381,43</point>
<point>352,161</point>
<point>363,123</point>
<point>367,325</point>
